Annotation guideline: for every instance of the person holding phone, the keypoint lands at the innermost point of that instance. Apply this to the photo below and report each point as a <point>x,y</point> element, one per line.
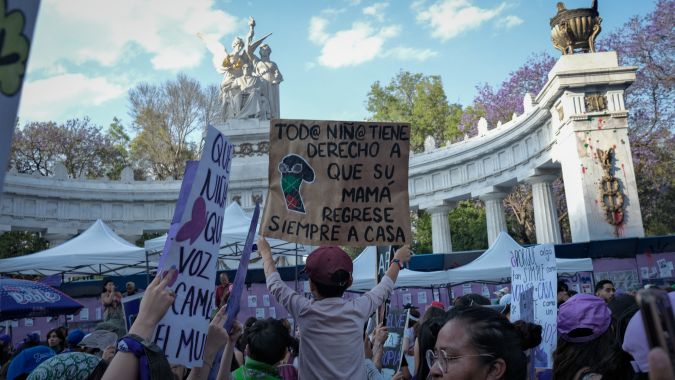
<point>636,341</point>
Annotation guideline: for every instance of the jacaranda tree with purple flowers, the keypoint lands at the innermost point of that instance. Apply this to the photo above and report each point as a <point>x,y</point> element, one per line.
<point>649,43</point>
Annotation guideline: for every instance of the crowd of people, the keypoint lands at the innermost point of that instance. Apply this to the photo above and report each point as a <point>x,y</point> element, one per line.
<point>599,336</point>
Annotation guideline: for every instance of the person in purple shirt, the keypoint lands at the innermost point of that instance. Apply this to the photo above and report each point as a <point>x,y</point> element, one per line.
<point>331,328</point>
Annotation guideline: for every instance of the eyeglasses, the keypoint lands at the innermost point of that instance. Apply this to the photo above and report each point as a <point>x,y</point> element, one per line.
<point>443,359</point>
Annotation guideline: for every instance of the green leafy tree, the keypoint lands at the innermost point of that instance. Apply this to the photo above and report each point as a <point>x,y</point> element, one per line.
<point>18,243</point>
<point>120,141</point>
<point>468,226</point>
<point>419,100</point>
<point>147,236</point>
<point>648,42</point>
<point>421,228</point>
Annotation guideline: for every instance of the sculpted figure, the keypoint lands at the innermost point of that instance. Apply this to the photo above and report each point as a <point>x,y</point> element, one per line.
<point>248,99</point>
<point>230,65</point>
<point>271,75</point>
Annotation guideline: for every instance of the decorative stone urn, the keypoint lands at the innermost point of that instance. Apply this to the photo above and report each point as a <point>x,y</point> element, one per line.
<point>575,29</point>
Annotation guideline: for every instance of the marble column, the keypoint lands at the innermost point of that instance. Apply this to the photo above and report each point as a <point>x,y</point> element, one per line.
<point>494,215</point>
<point>440,229</point>
<point>545,212</point>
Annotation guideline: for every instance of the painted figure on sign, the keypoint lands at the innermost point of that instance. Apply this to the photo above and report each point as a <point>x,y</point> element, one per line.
<point>294,170</point>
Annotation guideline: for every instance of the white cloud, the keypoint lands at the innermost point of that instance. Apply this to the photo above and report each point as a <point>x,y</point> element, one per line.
<point>509,22</point>
<point>317,30</point>
<point>450,18</point>
<point>405,53</point>
<point>376,10</point>
<point>349,47</point>
<point>66,94</point>
<point>82,31</point>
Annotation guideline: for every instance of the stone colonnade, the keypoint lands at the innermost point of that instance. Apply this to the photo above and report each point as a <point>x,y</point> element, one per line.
<point>545,216</point>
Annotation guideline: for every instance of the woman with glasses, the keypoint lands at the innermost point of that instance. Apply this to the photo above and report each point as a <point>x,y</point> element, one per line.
<point>479,343</point>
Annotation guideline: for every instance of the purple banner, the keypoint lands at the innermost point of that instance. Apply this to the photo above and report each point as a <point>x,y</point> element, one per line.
<point>233,303</point>
<point>188,179</point>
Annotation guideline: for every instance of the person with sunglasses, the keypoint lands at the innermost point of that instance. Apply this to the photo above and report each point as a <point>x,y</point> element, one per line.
<point>479,343</point>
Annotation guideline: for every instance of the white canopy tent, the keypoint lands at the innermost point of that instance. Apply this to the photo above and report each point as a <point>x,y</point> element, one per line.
<point>363,276</point>
<point>97,250</point>
<point>235,229</point>
<point>494,265</point>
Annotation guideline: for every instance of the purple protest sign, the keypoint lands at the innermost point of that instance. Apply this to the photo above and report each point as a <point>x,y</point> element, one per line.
<point>188,179</point>
<point>192,248</point>
<point>240,277</point>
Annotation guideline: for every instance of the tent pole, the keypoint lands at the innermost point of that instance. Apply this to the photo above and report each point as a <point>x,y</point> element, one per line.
<point>147,269</point>
<point>296,267</point>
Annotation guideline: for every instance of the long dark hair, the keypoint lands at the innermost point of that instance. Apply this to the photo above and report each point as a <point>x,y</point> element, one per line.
<point>490,332</point>
<point>601,356</point>
<point>426,339</point>
<point>59,334</point>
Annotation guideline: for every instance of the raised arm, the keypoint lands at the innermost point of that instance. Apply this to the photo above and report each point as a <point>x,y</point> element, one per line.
<point>265,252</point>
<point>215,339</point>
<point>374,298</point>
<point>287,297</point>
<point>106,298</point>
<point>403,256</point>
<point>251,31</point>
<point>156,301</point>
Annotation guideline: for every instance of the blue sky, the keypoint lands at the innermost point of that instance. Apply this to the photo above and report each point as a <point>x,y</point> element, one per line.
<point>87,54</point>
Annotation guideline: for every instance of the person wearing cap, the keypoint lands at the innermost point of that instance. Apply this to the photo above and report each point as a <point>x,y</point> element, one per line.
<point>586,345</point>
<point>73,339</point>
<point>99,342</point>
<point>605,289</point>
<point>331,339</point>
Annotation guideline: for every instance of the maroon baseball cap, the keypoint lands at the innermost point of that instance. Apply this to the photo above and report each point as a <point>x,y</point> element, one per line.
<point>583,311</point>
<point>323,264</point>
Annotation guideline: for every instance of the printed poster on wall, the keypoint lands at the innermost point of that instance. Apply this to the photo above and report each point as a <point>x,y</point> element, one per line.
<point>534,283</point>
<point>338,183</point>
<point>193,251</point>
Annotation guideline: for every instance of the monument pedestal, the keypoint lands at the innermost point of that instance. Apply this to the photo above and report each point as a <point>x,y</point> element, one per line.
<point>592,147</point>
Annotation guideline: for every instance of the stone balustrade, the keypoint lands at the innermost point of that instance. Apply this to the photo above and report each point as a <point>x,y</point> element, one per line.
<point>535,147</point>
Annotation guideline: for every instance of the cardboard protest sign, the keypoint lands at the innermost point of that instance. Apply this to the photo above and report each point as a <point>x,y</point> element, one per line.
<point>534,283</point>
<point>193,246</point>
<point>238,286</point>
<point>338,182</point>
<point>17,22</point>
